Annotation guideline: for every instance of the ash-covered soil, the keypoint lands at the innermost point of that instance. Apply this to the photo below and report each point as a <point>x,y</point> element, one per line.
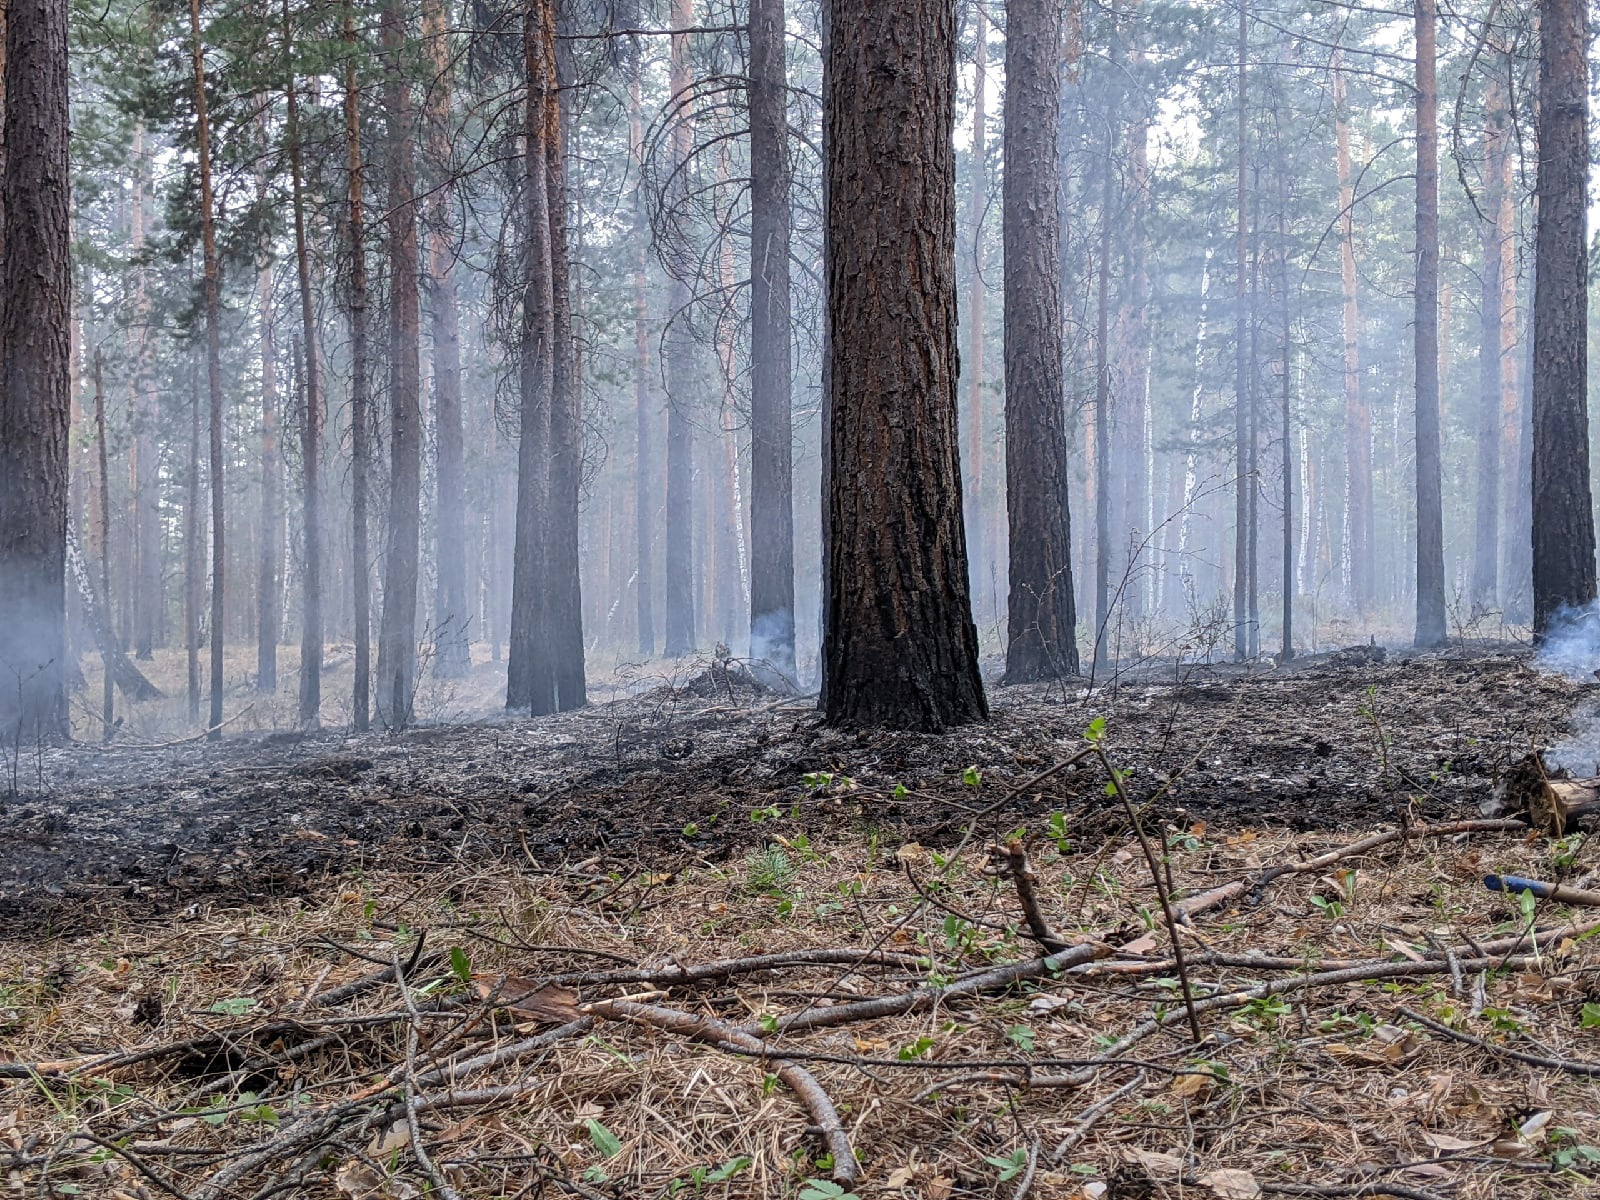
<point>686,774</point>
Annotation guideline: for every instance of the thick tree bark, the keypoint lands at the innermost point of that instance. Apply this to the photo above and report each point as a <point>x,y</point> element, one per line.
<point>310,429</point>
<point>772,627</point>
<point>211,292</point>
<point>681,627</point>
<point>1563,512</point>
<point>35,315</point>
<point>530,667</point>
<point>397,630</point>
<point>1491,352</point>
<point>452,608</point>
<point>360,405</point>
<point>1357,412</point>
<point>1430,499</point>
<point>562,577</point>
<point>900,645</point>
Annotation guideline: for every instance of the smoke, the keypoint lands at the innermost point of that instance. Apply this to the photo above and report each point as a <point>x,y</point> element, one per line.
<point>772,651</point>
<point>1571,647</point>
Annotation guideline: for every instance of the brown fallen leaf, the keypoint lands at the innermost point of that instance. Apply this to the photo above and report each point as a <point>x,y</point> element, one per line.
<point>526,998</point>
<point>1443,1141</point>
<point>1230,1183</point>
<point>1188,1086</point>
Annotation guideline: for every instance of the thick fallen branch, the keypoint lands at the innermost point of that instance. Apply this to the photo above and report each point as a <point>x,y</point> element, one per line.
<point>678,975</point>
<point>721,1034</point>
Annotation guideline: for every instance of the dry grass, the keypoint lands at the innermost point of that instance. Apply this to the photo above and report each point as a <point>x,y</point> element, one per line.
<point>1330,1089</point>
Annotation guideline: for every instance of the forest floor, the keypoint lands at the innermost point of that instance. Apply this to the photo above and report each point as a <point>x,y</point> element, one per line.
<point>691,942</point>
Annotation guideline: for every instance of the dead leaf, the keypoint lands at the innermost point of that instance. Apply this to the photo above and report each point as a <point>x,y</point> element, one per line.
<point>395,1137</point>
<point>526,998</point>
<point>1158,1164</point>
<point>899,1177</point>
<point>1095,1189</point>
<point>1188,1086</point>
<point>1230,1183</point>
<point>358,1181</point>
<point>939,1188</point>
<point>1443,1141</point>
<point>1141,945</point>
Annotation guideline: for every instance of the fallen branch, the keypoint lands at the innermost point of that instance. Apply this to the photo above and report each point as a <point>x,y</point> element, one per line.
<point>1022,878</point>
<point>677,975</point>
<point>721,1034</point>
<point>1092,1114</point>
<point>1571,1066</point>
<point>927,997</point>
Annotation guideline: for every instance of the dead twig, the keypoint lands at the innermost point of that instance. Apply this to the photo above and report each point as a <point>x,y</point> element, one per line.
<point>1571,1066</point>
<point>721,1034</point>
<point>1023,879</point>
<point>1091,1116</point>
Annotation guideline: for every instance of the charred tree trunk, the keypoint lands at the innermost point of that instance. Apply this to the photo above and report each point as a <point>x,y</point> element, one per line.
<point>681,381</point>
<point>35,350</point>
<point>900,644</point>
<point>397,630</point>
<point>269,601</point>
<point>211,292</point>
<point>772,628</point>
<point>109,648</point>
<point>1041,615</point>
<point>1430,497</point>
<point>562,578</point>
<point>452,608</point>
<point>1563,512</point>
<point>530,667</point>
<point>310,429</point>
<point>360,405</point>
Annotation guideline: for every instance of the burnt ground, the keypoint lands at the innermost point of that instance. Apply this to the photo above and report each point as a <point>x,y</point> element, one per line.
<point>684,775</point>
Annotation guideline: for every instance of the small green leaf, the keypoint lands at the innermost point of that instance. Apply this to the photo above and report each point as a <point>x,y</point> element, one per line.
<point>1022,1036</point>
<point>768,1022</point>
<point>1096,731</point>
<point>916,1049</point>
<point>233,1006</point>
<point>824,1189</point>
<point>900,791</point>
<point>972,777</point>
<point>1590,1017</point>
<point>728,1169</point>
<point>460,964</point>
<point>1010,1165</point>
<point>605,1142</point>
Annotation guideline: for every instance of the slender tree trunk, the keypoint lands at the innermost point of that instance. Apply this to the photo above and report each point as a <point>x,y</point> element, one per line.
<point>1491,357</point>
<point>900,644</point>
<point>1357,412</point>
<point>772,618</point>
<point>311,426</point>
<point>360,405</point>
<point>397,630</point>
<point>644,498</point>
<point>1430,497</point>
<point>269,599</point>
<point>149,608</point>
<point>211,285</point>
<point>193,552</point>
<point>1563,510</point>
<point>1285,419</point>
<point>530,675</point>
<point>1241,362</point>
<point>562,577</point>
<point>108,699</point>
<point>979,551</point>
<point>1131,521</point>
<point>681,627</point>
<point>452,610</point>
<point>1516,480</point>
<point>1041,614</point>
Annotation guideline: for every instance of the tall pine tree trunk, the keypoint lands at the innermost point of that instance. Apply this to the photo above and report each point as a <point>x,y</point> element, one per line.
<point>211,292</point>
<point>900,645</point>
<point>979,552</point>
<point>149,608</point>
<point>1430,498</point>
<point>311,423</point>
<point>1241,360</point>
<point>644,496</point>
<point>452,609</point>
<point>562,579</point>
<point>397,630</point>
<point>772,618</point>
<point>1563,511</point>
<point>530,666</point>
<point>682,379</point>
<point>269,601</point>
<point>1491,355</point>
<point>1040,612</point>
<point>360,404</point>
<point>1357,412</point>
